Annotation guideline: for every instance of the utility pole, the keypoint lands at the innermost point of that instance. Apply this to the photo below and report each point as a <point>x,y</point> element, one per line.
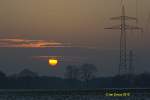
<point>123,27</point>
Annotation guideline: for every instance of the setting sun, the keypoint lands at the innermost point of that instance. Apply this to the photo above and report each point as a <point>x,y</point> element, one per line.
<point>53,62</point>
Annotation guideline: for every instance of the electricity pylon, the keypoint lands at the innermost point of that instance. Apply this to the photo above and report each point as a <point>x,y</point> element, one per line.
<point>123,68</point>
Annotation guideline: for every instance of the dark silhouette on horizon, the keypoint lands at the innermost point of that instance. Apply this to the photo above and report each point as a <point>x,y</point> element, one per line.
<point>76,77</point>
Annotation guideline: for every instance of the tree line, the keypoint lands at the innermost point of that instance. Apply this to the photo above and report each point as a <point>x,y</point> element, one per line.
<point>75,77</point>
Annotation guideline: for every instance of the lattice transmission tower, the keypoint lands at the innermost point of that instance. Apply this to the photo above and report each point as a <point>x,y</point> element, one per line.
<point>123,27</point>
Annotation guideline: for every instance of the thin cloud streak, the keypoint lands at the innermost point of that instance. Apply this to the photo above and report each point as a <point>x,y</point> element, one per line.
<point>29,43</point>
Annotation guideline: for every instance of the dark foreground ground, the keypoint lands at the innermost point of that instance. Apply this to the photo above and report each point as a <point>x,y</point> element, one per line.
<point>100,94</point>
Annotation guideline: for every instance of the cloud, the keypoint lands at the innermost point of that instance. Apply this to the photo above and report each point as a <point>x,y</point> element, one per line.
<point>13,35</point>
<point>29,43</point>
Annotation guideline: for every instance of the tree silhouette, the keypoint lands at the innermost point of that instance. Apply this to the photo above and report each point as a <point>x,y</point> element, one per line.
<point>2,74</point>
<point>87,72</point>
<point>72,72</point>
<point>27,73</point>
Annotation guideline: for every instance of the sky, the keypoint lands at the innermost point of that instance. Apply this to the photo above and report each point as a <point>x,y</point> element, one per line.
<point>72,29</point>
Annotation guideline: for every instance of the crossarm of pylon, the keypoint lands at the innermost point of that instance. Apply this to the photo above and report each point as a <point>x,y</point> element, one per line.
<point>130,18</point>
<point>116,18</point>
<point>126,18</point>
<point>116,27</point>
<point>129,27</point>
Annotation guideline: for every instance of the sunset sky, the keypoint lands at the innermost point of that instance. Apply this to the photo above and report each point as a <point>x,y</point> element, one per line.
<point>73,29</point>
